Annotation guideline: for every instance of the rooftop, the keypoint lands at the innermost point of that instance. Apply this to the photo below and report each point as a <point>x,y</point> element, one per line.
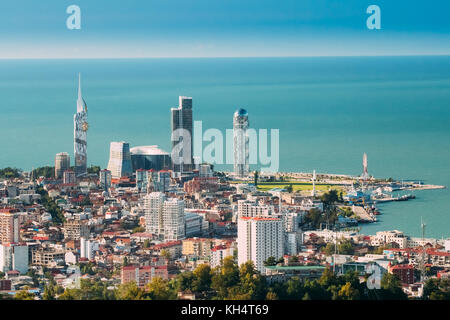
<point>148,150</point>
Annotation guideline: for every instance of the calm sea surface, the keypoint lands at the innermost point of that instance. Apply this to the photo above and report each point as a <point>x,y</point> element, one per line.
<point>329,112</point>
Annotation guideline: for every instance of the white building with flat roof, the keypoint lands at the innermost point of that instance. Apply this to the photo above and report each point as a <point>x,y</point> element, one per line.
<point>13,256</point>
<point>258,239</point>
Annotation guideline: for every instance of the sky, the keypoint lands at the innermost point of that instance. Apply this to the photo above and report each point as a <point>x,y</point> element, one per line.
<point>222,28</point>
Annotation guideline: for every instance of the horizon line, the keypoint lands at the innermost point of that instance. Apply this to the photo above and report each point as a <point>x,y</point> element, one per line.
<point>228,57</point>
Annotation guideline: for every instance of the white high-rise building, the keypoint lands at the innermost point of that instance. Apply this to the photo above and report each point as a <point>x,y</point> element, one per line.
<point>120,160</point>
<point>153,204</point>
<point>13,256</point>
<point>241,143</point>
<point>247,208</point>
<point>164,217</point>
<point>258,239</point>
<point>173,219</point>
<point>87,248</point>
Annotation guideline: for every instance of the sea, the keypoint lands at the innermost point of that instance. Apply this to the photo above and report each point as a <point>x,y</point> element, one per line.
<point>328,110</point>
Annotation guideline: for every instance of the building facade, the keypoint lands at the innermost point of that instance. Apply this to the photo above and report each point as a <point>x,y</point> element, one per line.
<point>9,225</point>
<point>62,163</point>
<point>241,143</point>
<point>149,157</point>
<point>258,239</point>
<point>182,149</point>
<point>105,179</point>
<point>13,256</point>
<point>120,160</point>
<point>80,125</point>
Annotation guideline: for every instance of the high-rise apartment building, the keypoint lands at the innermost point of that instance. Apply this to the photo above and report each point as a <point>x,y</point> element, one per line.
<point>80,134</point>
<point>120,160</point>
<point>258,239</point>
<point>173,219</point>
<point>153,204</point>
<point>62,163</point>
<point>105,179</point>
<point>247,208</point>
<point>164,217</point>
<point>69,177</point>
<point>13,256</point>
<point>9,225</point>
<point>182,150</point>
<point>241,143</point>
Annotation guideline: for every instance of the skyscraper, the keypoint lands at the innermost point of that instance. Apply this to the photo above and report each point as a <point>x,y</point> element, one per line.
<point>182,119</point>
<point>80,134</point>
<point>258,239</point>
<point>153,204</point>
<point>120,160</point>
<point>174,219</point>
<point>241,143</point>
<point>164,217</point>
<point>62,163</point>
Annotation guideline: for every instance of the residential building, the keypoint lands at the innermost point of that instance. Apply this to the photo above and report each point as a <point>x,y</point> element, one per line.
<point>258,239</point>
<point>142,275</point>
<point>62,163</point>
<point>9,225</point>
<point>14,256</point>
<point>69,177</point>
<point>105,179</point>
<point>164,217</point>
<point>220,252</point>
<point>74,229</point>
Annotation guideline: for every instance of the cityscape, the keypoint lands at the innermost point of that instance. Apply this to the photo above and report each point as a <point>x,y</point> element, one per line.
<point>151,227</point>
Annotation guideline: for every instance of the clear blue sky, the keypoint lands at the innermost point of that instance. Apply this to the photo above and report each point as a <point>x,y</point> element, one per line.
<point>222,28</point>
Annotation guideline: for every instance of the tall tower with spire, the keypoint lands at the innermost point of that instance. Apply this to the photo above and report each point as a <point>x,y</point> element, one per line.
<point>365,175</point>
<point>80,127</point>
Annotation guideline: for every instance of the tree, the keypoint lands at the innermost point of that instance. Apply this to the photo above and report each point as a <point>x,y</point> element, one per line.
<point>224,277</point>
<point>9,173</point>
<point>271,295</point>
<point>93,169</point>
<point>160,289</point>
<point>146,243</point>
<point>306,297</point>
<point>391,288</point>
<point>294,289</point>
<point>165,254</point>
<point>255,176</point>
<point>314,217</point>
<point>270,262</point>
<point>24,295</point>
<point>436,289</point>
<point>347,292</point>
<point>289,188</point>
<point>125,262</point>
<point>202,278</point>
<point>130,291</point>
<point>251,284</point>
